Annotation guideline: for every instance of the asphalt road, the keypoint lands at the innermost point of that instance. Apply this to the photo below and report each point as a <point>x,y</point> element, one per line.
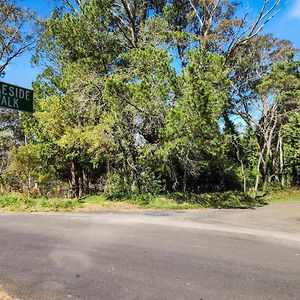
<point>207,254</point>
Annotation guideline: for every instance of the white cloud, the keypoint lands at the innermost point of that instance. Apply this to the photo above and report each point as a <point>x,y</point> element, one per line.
<point>295,10</point>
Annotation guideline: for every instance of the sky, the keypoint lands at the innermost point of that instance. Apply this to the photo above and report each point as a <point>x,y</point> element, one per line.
<point>285,25</point>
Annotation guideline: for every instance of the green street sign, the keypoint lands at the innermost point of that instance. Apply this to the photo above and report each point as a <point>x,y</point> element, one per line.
<point>15,97</point>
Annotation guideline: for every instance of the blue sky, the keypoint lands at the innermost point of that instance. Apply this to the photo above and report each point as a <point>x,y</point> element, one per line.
<point>286,25</point>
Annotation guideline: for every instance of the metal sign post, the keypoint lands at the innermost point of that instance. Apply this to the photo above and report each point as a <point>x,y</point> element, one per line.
<point>15,97</point>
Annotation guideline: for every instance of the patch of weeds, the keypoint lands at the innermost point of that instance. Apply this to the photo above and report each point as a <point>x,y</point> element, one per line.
<point>59,204</point>
<point>21,203</point>
<point>159,202</point>
<point>145,201</point>
<point>17,203</point>
<point>93,199</point>
<point>219,200</point>
<point>284,196</point>
<point>194,201</point>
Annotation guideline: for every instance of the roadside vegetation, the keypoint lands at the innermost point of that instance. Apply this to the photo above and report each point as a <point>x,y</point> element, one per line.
<point>21,203</point>
<point>155,104</point>
<point>285,196</point>
<point>17,202</point>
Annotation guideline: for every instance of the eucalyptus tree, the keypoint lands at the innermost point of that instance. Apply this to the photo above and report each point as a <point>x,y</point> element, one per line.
<point>280,94</point>
<point>291,150</point>
<point>16,37</point>
<point>138,91</point>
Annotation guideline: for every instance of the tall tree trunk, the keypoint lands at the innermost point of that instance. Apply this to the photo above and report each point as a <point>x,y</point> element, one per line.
<point>75,178</point>
<point>281,159</point>
<point>29,175</point>
<point>236,144</point>
<point>244,177</point>
<point>185,172</point>
<point>85,182</point>
<point>258,171</point>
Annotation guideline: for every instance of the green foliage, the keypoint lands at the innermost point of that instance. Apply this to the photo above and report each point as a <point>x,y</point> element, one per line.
<point>192,138</point>
<point>283,196</point>
<point>143,98</point>
<point>144,201</point>
<point>21,203</point>
<point>160,202</point>
<point>292,146</point>
<point>115,186</point>
<point>193,201</point>
<point>220,200</point>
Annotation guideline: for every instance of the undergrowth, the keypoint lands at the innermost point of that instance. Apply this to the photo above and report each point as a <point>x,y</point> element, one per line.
<point>22,203</point>
<point>19,202</point>
<point>192,201</point>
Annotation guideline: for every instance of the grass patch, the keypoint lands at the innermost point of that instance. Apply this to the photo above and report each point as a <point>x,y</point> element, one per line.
<point>160,202</point>
<point>224,200</point>
<point>174,201</point>
<point>194,201</point>
<point>19,203</point>
<point>96,199</point>
<point>284,196</point>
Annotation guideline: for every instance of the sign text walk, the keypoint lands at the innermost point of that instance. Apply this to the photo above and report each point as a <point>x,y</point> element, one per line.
<point>15,97</point>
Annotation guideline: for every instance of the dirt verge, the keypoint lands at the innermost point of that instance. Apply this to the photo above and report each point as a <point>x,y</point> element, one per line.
<point>4,296</point>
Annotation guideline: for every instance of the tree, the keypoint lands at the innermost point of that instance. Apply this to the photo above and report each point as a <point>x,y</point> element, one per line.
<point>141,96</point>
<point>280,91</point>
<point>15,36</point>
<point>291,157</point>
<point>192,138</point>
<point>138,98</point>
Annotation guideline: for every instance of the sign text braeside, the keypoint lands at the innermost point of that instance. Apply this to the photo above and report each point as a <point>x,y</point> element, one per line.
<point>15,97</point>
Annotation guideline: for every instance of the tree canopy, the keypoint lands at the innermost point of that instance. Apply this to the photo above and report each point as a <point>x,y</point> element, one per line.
<point>141,96</point>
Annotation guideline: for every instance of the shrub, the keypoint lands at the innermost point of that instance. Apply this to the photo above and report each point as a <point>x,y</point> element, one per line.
<point>115,187</point>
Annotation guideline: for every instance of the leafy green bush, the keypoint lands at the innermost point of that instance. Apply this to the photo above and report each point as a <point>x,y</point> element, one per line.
<point>16,202</point>
<point>115,188</point>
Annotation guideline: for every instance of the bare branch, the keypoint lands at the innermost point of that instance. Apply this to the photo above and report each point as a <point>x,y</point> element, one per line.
<point>72,7</point>
<point>196,13</point>
<point>265,15</point>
